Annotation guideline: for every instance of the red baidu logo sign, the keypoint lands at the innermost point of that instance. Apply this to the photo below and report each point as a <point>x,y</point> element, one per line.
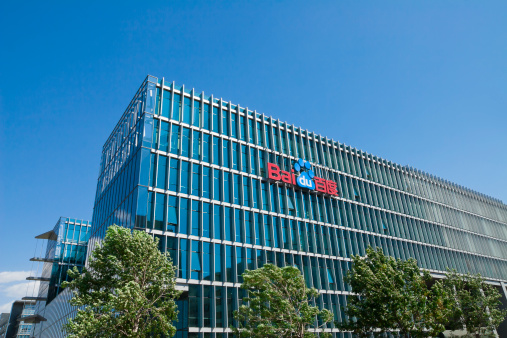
<point>306,178</point>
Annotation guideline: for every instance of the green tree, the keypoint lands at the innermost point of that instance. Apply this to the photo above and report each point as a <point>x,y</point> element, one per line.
<point>278,305</point>
<point>392,296</point>
<point>128,290</point>
<point>477,304</point>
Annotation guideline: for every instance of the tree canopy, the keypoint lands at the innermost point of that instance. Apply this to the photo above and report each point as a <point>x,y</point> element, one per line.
<point>477,304</point>
<point>392,296</point>
<point>278,305</point>
<point>128,289</point>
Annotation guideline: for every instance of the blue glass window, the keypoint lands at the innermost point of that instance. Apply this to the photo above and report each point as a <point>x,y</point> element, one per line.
<point>216,151</point>
<point>195,218</point>
<point>239,264</point>
<point>196,179</point>
<point>196,145</point>
<point>325,240</point>
<point>260,258</point>
<point>217,190</point>
<point>162,172</point>
<point>225,153</point>
<point>215,120</point>
<point>185,142</point>
<point>227,187</point>
<point>172,248</point>
<point>184,216</point>
<point>233,125</point>
<point>284,142</point>
<point>274,197</point>
<point>196,117</point>
<point>159,211</point>
<point>235,155</point>
<point>196,261</point>
<point>144,175</point>
<point>258,227</point>
<point>228,263</point>
<point>243,128</point>
<point>293,232</point>
<point>142,204</point>
<point>206,219</point>
<point>246,191</point>
<point>255,190</point>
<point>265,195</point>
<point>225,122</point>
<point>236,186</point>
<point>175,139</point>
<point>153,169</point>
<point>182,266</point>
<point>250,131</point>
<point>248,227</point>
<point>217,222</point>
<point>260,138</point>
<point>249,259</point>
<point>176,113</point>
<point>276,232</point>
<point>193,305</point>
<point>218,263</point>
<point>285,233</point>
<point>291,202</point>
<point>302,236</point>
<point>206,261</point>
<point>187,110</point>
<point>83,236</point>
<point>317,232</point>
<point>323,273</point>
<point>149,216</point>
<point>154,141</point>
<point>282,198</point>
<point>267,130</point>
<point>267,230</point>
<point>166,103</point>
<point>228,223</point>
<point>205,117</point>
<point>172,217</point>
<point>185,177</point>
<point>164,136</point>
<point>276,139</point>
<point>206,179</point>
<point>205,148</point>
<point>173,174</point>
<point>238,220</point>
<point>332,284</point>
<point>244,159</point>
<point>262,163</point>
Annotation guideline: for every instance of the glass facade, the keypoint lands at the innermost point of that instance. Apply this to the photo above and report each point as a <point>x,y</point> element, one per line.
<point>192,170</point>
<point>25,329</point>
<point>66,247</point>
<point>17,323</point>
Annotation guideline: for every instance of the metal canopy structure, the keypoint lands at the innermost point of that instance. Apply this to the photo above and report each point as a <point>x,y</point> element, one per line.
<point>33,319</point>
<point>34,298</point>
<point>42,259</point>
<point>51,235</point>
<point>42,279</point>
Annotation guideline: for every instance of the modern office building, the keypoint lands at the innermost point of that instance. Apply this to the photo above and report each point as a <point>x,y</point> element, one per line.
<point>66,247</point>
<point>226,189</point>
<point>20,322</point>
<point>4,323</point>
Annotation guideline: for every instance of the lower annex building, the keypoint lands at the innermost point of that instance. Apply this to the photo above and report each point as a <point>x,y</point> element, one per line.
<point>226,189</point>
<point>65,248</point>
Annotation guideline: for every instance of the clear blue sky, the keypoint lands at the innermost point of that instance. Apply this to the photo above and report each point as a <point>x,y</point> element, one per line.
<point>422,83</point>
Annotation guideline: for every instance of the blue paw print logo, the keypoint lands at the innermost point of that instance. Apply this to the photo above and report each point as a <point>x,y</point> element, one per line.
<point>306,174</point>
